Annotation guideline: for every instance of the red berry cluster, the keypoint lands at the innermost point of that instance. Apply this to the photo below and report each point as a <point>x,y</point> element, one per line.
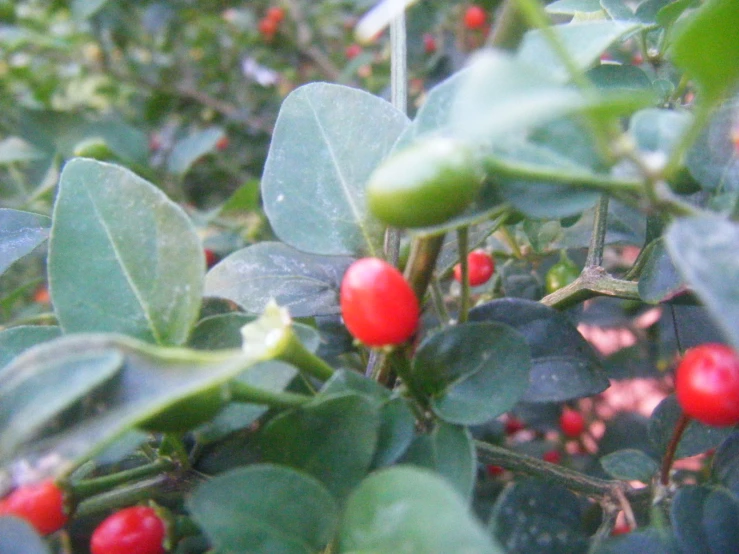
<point>40,504</point>
<point>378,305</point>
<point>270,23</point>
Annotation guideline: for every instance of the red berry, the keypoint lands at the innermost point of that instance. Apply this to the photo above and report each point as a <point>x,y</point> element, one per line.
<point>552,456</point>
<point>429,43</point>
<point>621,529</point>
<point>41,295</point>
<point>222,143</point>
<point>276,14</point>
<point>211,258</point>
<point>571,422</point>
<point>378,305</point>
<point>267,27</point>
<point>40,504</point>
<point>137,529</point>
<point>707,384</point>
<point>637,59</point>
<point>513,425</point>
<point>494,471</point>
<point>352,51</point>
<point>480,267</point>
<point>475,17</point>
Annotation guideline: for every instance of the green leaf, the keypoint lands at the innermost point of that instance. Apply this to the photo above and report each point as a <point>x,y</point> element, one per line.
<point>647,10</point>
<point>122,257</point>
<point>15,150</point>
<point>650,539</point>
<point>563,364</point>
<point>619,77</point>
<point>630,464</point>
<point>433,117</point>
<point>705,250</point>
<point>263,509</point>
<point>20,233</point>
<point>306,284</point>
<point>33,400</point>
<point>61,132</point>
<point>571,7</point>
<point>584,41</point>
<point>473,372</point>
<point>327,141</point>
<point>659,279</point>
<point>695,48</point>
<point>84,9</point>
<point>189,150</point>
<point>713,159</point>
<point>18,537</point>
<point>536,516</point>
<point>725,463</point>
<point>219,331</point>
<point>132,382</point>
<point>332,438</point>
<point>395,433</point>
<point>656,130</point>
<point>697,437</point>
<point>397,422</point>
<point>15,340</point>
<point>618,10</point>
<point>549,196</point>
<point>502,96</point>
<point>705,520</point>
<point>449,451</point>
<point>271,376</point>
<point>406,509</point>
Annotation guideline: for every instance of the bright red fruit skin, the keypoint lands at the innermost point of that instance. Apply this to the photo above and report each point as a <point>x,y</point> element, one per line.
<point>552,456</point>
<point>572,423</point>
<point>276,14</point>
<point>378,305</point>
<point>137,529</point>
<point>707,384</point>
<point>40,504</point>
<point>475,17</point>
<point>480,268</point>
<point>268,27</point>
<point>352,51</point>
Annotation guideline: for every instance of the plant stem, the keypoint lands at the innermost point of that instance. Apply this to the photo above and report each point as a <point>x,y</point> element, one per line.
<point>86,488</point>
<point>669,457</point>
<point>603,490</point>
<point>243,393</point>
<point>424,252</point>
<point>598,237</point>
<point>122,496</point>
<point>593,281</point>
<point>437,298</point>
<point>462,248</point>
<point>306,361</point>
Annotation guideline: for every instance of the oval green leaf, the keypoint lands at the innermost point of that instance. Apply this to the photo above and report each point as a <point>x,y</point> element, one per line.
<point>327,141</point>
<point>123,258</point>
<point>449,451</point>
<point>263,509</point>
<point>473,372</point>
<point>563,364</point>
<point>332,438</point>
<point>705,250</point>
<point>20,233</point>
<point>306,284</point>
<point>406,509</point>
